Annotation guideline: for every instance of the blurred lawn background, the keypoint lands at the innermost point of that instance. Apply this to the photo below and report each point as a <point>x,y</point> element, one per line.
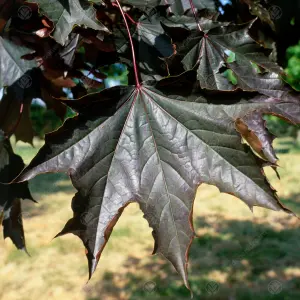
<point>238,254</point>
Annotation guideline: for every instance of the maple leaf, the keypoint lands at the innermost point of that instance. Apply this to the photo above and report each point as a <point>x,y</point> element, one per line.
<point>32,85</point>
<point>150,31</point>
<point>141,144</point>
<point>152,45</point>
<point>179,7</point>
<point>176,6</point>
<point>65,14</point>
<point>12,66</point>
<point>68,52</point>
<point>146,5</point>
<point>6,9</point>
<point>207,46</point>
<point>256,8</point>
<point>10,117</point>
<point>10,195</point>
<point>253,128</point>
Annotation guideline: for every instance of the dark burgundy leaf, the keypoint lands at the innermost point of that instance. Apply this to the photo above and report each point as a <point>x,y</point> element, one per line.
<point>10,195</point>
<point>68,13</point>
<point>141,145</point>
<point>208,46</point>
<point>12,66</point>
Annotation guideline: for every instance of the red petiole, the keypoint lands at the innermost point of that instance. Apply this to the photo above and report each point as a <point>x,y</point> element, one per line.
<point>195,15</point>
<point>135,68</point>
<point>126,14</point>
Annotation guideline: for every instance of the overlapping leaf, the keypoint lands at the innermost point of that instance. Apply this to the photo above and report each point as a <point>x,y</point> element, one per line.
<point>143,5</point>
<point>253,123</point>
<point>176,6</point>
<point>66,14</point>
<point>6,9</point>
<point>208,44</point>
<point>12,66</point>
<point>257,9</point>
<point>152,45</point>
<point>144,145</point>
<point>17,121</point>
<point>179,7</point>
<point>10,195</point>
<point>150,31</point>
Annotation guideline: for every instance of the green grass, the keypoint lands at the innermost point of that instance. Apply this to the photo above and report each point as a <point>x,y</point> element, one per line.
<point>237,255</point>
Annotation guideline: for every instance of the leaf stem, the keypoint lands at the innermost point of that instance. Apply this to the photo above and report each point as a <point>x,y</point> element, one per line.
<point>131,20</point>
<point>195,14</point>
<point>169,8</point>
<point>135,68</point>
<point>127,15</point>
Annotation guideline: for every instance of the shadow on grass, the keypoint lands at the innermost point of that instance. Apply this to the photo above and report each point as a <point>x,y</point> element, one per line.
<point>232,259</point>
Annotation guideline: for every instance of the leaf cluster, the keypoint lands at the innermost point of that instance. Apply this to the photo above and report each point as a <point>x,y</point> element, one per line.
<point>192,113</point>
